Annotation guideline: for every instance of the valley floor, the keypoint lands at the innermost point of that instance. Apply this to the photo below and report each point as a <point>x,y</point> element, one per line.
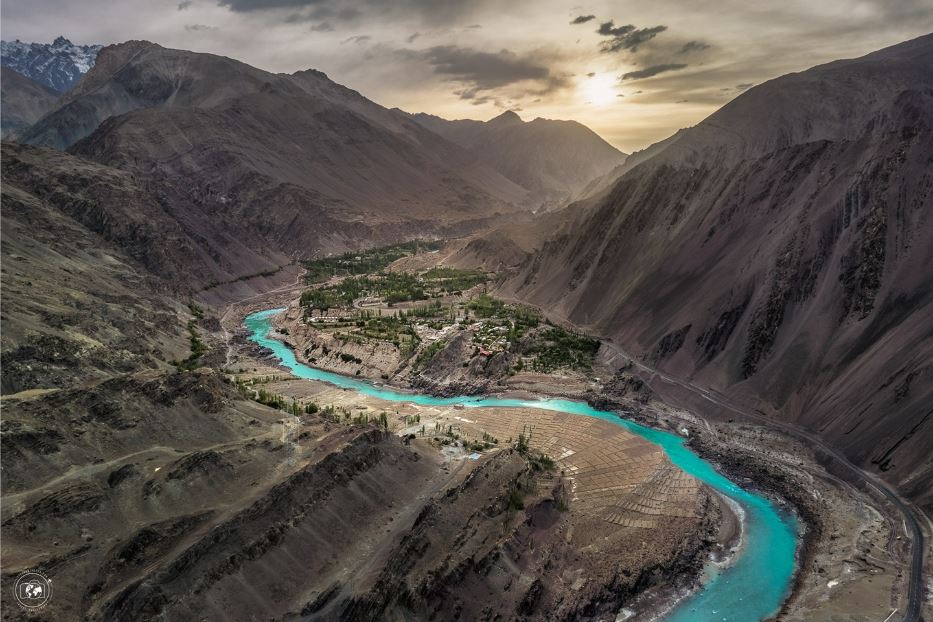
<point>854,552</point>
<point>178,495</point>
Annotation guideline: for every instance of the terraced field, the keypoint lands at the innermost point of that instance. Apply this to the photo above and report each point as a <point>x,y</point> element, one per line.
<point>614,474</point>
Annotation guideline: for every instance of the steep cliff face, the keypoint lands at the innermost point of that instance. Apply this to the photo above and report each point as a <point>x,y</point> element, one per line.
<point>780,251</point>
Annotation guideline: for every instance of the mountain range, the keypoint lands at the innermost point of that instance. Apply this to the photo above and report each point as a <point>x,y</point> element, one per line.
<point>554,160</point>
<point>771,262</point>
<point>778,252</point>
<point>58,65</point>
<point>194,169</point>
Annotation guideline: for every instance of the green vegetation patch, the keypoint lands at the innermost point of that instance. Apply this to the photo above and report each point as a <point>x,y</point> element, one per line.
<point>424,357</point>
<point>485,306</point>
<point>198,347</point>
<point>391,287</point>
<point>557,348</point>
<point>365,262</point>
<point>453,280</point>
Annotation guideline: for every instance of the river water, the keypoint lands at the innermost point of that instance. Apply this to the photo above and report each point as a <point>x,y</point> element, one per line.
<point>751,588</point>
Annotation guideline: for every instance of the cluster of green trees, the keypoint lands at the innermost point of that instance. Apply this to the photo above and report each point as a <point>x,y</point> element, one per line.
<point>392,287</point>
<point>349,358</point>
<point>198,347</point>
<point>431,310</point>
<point>558,348</point>
<point>365,262</point>
<point>453,280</point>
<point>392,329</point>
<point>294,407</point>
<point>518,318</point>
<point>485,306</point>
<point>429,352</point>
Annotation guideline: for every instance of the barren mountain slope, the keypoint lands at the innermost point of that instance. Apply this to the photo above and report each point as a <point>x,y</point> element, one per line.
<point>163,495</point>
<point>780,251</point>
<point>78,301</point>
<point>173,114</point>
<point>552,159</point>
<point>23,101</point>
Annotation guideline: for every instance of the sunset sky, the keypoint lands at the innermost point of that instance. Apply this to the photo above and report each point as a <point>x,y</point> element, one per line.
<point>633,72</point>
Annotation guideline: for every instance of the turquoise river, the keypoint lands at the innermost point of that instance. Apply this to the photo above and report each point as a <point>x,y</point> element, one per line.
<point>751,588</point>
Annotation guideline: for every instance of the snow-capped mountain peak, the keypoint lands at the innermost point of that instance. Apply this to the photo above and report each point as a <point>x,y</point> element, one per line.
<point>58,65</point>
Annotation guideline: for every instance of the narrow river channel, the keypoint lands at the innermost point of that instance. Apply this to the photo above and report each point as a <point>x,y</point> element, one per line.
<point>752,588</point>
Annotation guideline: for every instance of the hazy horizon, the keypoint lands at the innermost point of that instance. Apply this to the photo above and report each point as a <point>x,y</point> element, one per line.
<point>633,74</point>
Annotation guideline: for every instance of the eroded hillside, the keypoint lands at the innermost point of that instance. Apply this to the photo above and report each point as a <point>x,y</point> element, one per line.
<point>779,251</point>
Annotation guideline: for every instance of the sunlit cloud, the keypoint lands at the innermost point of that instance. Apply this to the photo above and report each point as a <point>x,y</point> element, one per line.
<point>635,73</point>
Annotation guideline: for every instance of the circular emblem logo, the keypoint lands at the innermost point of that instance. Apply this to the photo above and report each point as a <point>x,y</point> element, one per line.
<point>32,590</point>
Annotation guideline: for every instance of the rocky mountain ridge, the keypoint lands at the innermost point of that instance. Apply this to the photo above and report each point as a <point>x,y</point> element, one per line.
<point>554,160</point>
<point>58,65</point>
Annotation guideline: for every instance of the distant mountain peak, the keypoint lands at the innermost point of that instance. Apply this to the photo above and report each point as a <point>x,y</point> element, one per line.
<point>553,160</point>
<point>312,72</point>
<point>57,65</point>
<point>509,117</point>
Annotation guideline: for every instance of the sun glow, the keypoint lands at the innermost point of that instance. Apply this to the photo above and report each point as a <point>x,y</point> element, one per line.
<point>599,90</point>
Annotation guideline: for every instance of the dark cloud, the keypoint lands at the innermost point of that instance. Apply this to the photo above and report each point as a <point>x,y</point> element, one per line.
<point>626,37</point>
<point>322,27</point>
<point>299,18</point>
<point>199,27</point>
<point>582,19</point>
<point>356,39</point>
<point>744,86</point>
<point>609,29</point>
<point>693,46</point>
<point>481,72</point>
<point>591,74</point>
<point>345,14</point>
<point>309,10</point>
<point>184,4</point>
<point>260,5</point>
<point>654,70</point>
<point>411,38</point>
<point>433,12</point>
